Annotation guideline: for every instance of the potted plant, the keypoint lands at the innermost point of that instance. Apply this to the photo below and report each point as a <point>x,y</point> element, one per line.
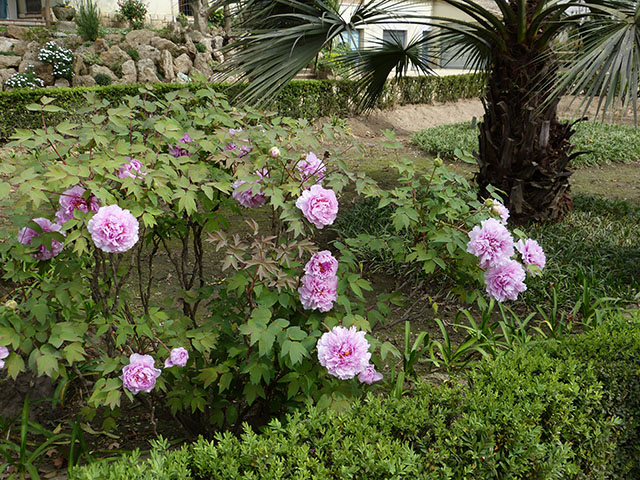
<point>64,11</point>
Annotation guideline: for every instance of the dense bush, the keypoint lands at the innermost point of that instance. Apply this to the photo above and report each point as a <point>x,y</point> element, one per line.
<point>300,99</point>
<point>88,20</point>
<point>600,143</point>
<point>564,409</point>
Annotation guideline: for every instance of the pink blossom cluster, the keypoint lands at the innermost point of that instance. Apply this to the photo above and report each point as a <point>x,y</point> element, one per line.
<point>74,199</point>
<point>319,206</point>
<point>113,229</point>
<point>26,236</point>
<point>311,168</point>
<point>244,149</point>
<point>131,169</point>
<point>250,197</point>
<point>140,375</point>
<point>177,151</point>
<point>319,286</point>
<point>4,353</point>
<point>492,243</point>
<point>345,354</point>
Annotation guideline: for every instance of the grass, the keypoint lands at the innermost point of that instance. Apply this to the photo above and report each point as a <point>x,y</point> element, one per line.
<point>603,143</point>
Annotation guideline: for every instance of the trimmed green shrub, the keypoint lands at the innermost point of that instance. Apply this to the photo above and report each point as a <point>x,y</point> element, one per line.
<point>103,79</point>
<point>133,53</point>
<point>88,20</point>
<point>600,142</point>
<point>564,410</point>
<point>300,99</point>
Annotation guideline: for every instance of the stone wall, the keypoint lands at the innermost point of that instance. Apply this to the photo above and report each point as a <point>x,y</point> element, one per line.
<point>140,56</point>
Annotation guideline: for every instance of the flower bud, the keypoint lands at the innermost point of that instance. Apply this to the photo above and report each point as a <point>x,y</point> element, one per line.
<point>11,304</point>
<point>437,162</point>
<point>274,152</point>
<point>488,202</point>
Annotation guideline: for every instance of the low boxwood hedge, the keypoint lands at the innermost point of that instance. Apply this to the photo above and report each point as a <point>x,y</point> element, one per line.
<point>565,410</point>
<point>299,99</point>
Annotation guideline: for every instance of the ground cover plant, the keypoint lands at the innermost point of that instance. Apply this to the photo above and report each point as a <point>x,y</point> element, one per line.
<point>600,142</point>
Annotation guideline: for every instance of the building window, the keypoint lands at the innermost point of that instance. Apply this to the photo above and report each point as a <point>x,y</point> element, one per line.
<point>185,7</point>
<point>395,36</point>
<point>353,39</point>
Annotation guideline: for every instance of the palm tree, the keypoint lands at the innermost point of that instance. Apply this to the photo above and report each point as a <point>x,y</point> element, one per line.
<point>524,150</point>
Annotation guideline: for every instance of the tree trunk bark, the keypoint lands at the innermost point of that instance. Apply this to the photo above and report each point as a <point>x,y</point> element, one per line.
<point>227,20</point>
<point>524,151</point>
<point>47,12</point>
<point>200,15</point>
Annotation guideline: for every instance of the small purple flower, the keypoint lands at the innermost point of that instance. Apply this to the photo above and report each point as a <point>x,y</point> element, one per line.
<point>4,353</point>
<point>505,280</point>
<point>322,265</point>
<point>73,199</point>
<point>318,293</point>
<point>177,151</point>
<point>318,205</point>
<point>113,229</point>
<point>274,152</point>
<point>177,358</point>
<point>344,352</point>
<point>250,197</point>
<point>235,131</point>
<point>491,242</point>
<point>26,235</point>
<point>131,169</point>
<point>140,375</point>
<point>532,253</point>
<point>501,211</point>
<point>369,375</point>
<point>311,167</point>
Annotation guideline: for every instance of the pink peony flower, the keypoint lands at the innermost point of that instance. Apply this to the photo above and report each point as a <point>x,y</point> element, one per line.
<point>177,150</point>
<point>369,375</point>
<point>505,280</point>
<point>318,205</point>
<point>246,197</point>
<point>177,358</point>
<point>140,375</point>
<point>344,352</point>
<point>501,211</point>
<point>311,167</point>
<point>113,229</point>
<point>318,293</point>
<point>4,353</point>
<point>322,265</point>
<point>73,199</point>
<point>26,235</point>
<point>127,169</point>
<point>491,242</point>
<point>532,253</point>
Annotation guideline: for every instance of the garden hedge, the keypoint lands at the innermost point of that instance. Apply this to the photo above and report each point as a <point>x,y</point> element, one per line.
<point>299,99</point>
<point>568,409</point>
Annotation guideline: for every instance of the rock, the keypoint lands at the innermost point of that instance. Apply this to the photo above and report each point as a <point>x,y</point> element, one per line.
<point>8,44</point>
<point>15,31</point>
<point>166,66</point>
<point>84,81</point>
<point>218,42</point>
<point>61,83</point>
<point>182,78</point>
<point>73,41</point>
<point>129,72</point>
<point>64,26</point>
<point>201,64</point>
<point>21,47</point>
<point>113,38</point>
<point>96,69</point>
<point>218,56</point>
<point>147,72</point>
<point>6,74</point>
<point>191,47</point>
<point>99,46</point>
<point>135,38</point>
<point>33,47</point>
<point>208,44</point>
<point>79,67</point>
<point>113,56</point>
<point>42,70</point>
<point>10,61</point>
<point>165,44</point>
<point>195,35</point>
<point>183,64</point>
<point>180,50</point>
<point>147,51</point>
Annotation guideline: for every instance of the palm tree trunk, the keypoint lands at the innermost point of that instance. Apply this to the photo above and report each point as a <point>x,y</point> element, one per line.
<point>524,151</point>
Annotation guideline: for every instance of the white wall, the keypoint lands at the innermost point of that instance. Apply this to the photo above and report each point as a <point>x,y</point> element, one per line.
<point>157,10</point>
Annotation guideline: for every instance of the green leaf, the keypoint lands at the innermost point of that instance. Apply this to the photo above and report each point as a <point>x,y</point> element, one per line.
<point>295,351</point>
<point>14,365</point>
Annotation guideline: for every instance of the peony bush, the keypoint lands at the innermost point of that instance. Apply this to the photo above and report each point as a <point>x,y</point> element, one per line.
<point>162,252</point>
